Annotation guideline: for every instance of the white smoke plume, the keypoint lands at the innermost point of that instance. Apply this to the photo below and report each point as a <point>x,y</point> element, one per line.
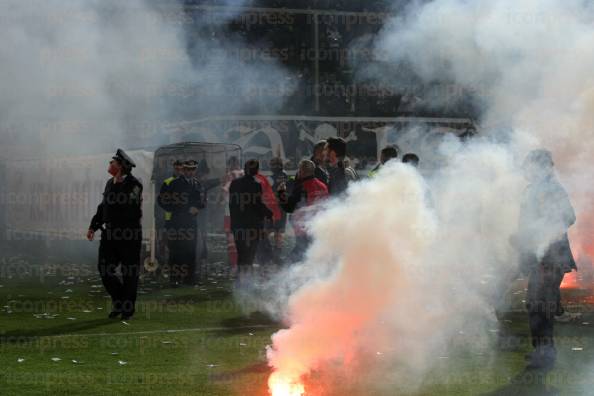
<point>85,77</point>
<point>529,66</point>
<point>387,288</point>
<point>385,285</point>
<point>77,75</point>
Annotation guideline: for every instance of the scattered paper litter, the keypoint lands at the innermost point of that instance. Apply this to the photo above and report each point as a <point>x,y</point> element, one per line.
<point>577,349</point>
<point>20,360</point>
<point>56,359</point>
<point>126,323</point>
<point>115,353</point>
<point>166,342</point>
<point>71,318</point>
<point>242,344</point>
<point>122,362</point>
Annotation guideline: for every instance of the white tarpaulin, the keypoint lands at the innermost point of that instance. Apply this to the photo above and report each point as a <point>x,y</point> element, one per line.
<point>56,198</point>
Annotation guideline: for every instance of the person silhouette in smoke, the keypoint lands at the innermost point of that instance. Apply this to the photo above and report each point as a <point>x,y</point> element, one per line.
<point>546,214</point>
<point>388,153</point>
<point>411,159</point>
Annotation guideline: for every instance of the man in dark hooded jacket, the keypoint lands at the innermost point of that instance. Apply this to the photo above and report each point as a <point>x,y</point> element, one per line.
<point>545,216</point>
<point>248,213</point>
<point>339,173</point>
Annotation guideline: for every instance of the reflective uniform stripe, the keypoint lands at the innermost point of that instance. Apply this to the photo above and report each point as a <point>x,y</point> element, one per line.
<point>168,215</point>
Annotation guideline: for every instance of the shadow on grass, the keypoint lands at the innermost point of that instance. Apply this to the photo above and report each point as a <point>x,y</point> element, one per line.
<point>18,336</point>
<point>232,375</point>
<point>527,383</point>
<point>242,324</point>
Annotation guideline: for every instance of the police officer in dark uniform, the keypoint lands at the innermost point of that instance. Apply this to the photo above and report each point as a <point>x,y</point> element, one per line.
<point>118,217</point>
<point>185,201</point>
<point>162,200</point>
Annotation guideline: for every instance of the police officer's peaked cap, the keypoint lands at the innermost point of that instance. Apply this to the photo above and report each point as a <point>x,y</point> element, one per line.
<point>191,164</point>
<point>124,159</point>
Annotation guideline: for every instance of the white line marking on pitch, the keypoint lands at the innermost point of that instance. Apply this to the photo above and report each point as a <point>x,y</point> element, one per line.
<point>197,329</point>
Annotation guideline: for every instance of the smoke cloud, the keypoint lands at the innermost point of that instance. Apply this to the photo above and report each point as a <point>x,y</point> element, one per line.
<point>395,272</point>
<point>83,77</point>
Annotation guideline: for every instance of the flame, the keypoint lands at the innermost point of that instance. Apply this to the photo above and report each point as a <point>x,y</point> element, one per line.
<point>570,281</point>
<point>281,385</point>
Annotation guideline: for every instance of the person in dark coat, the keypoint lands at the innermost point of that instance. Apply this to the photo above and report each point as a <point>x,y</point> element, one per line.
<point>318,158</point>
<point>248,212</point>
<point>545,216</point>
<point>306,193</point>
<point>339,173</point>
<point>118,217</point>
<point>278,227</point>
<point>185,202</point>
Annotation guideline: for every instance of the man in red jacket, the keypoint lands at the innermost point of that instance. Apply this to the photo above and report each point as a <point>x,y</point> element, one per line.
<point>307,192</point>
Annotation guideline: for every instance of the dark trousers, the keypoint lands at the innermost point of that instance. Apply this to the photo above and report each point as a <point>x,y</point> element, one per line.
<point>126,254</point>
<point>302,243</point>
<point>182,255</point>
<point>543,303</point>
<point>246,243</point>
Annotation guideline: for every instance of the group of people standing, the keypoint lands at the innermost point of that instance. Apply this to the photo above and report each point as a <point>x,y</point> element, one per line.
<point>256,216</point>
<point>259,208</point>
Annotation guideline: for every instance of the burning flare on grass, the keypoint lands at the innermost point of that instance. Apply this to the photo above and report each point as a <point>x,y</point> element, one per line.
<point>355,271</point>
<point>281,385</point>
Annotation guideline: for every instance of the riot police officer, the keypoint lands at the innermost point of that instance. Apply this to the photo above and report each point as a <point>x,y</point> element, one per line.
<point>118,217</point>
